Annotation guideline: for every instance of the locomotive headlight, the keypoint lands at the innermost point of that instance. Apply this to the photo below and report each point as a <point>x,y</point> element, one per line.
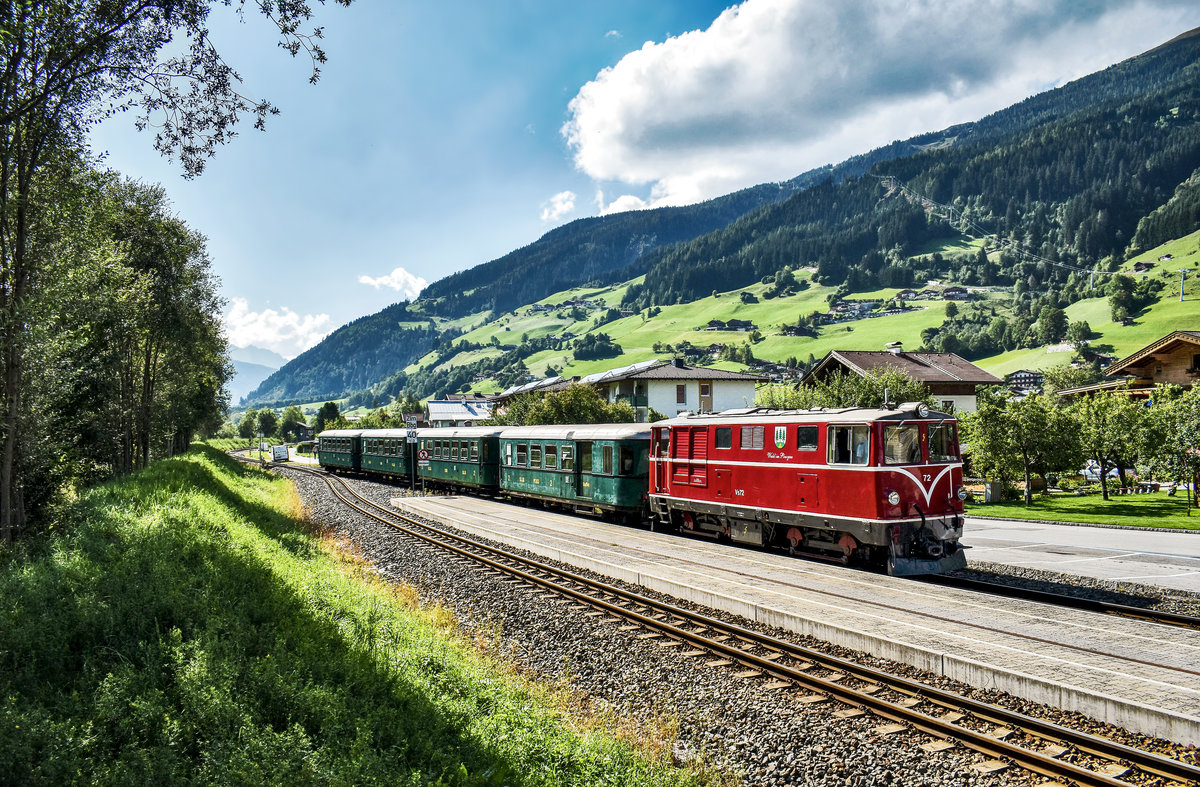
<point>893,497</point>
<point>962,493</point>
<point>922,410</point>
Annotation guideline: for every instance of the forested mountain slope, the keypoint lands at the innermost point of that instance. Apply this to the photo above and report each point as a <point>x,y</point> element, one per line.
<point>1071,190</point>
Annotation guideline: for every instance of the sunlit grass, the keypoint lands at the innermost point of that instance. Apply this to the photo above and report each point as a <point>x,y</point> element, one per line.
<point>187,625</point>
<point>1155,509</point>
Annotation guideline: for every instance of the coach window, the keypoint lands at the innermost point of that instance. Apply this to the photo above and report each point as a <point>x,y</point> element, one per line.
<point>752,437</point>
<point>508,453</point>
<point>607,468</point>
<point>522,454</point>
<point>942,443</point>
<point>585,457</point>
<point>453,449</point>
<point>535,456</point>
<point>627,460</point>
<point>474,450</point>
<point>806,438</point>
<point>848,445</point>
<point>902,445</point>
<point>551,461</point>
<point>724,437</point>
<point>568,458</point>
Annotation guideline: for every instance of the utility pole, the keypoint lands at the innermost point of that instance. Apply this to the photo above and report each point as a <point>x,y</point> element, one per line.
<point>1182,279</point>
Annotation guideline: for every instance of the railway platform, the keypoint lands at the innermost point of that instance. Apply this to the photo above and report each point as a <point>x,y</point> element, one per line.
<point>1132,674</point>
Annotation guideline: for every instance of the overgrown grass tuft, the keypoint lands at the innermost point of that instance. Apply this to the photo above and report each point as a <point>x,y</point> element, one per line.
<point>183,627</point>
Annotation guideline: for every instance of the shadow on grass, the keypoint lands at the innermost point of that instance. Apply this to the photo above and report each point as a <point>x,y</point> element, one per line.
<point>135,653</point>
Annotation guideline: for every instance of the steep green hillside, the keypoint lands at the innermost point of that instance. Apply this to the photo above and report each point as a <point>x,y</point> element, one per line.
<point>673,326</point>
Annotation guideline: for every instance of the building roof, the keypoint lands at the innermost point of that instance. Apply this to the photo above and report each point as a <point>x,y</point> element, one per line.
<point>925,367</point>
<point>458,411</point>
<point>1163,345</point>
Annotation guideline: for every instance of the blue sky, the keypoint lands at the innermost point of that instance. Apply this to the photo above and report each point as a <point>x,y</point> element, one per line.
<point>444,135</point>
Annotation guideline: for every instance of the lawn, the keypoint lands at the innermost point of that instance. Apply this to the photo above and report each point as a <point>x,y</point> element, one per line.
<point>187,626</point>
<point>1154,509</point>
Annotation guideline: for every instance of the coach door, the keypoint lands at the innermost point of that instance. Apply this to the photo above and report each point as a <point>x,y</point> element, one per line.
<point>583,472</point>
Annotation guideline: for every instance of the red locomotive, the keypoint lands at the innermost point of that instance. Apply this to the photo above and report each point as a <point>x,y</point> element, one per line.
<point>880,487</point>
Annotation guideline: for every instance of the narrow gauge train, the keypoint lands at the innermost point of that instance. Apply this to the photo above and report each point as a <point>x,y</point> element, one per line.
<point>871,487</point>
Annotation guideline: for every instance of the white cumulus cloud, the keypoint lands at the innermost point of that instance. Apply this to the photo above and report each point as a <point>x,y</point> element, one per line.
<point>283,331</point>
<point>776,87</point>
<point>561,204</point>
<point>400,280</point>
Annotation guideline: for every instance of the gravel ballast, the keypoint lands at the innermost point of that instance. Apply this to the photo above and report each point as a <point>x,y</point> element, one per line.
<point>738,726</point>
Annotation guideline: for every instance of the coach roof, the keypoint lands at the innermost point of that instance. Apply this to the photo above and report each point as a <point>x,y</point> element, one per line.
<point>578,432</point>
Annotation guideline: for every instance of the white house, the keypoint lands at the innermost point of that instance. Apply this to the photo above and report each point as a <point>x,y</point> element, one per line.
<point>670,387</point>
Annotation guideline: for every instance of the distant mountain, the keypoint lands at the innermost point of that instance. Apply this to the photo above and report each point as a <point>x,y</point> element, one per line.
<point>246,377</point>
<point>257,355</point>
<point>1066,176</point>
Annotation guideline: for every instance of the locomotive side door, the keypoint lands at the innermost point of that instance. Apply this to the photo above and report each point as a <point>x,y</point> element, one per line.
<point>661,451</point>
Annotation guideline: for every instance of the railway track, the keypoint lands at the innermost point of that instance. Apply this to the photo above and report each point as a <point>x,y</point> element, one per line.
<point>1007,737</point>
<point>1061,600</point>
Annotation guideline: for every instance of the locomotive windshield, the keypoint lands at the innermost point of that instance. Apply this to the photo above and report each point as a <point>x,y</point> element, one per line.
<point>902,445</point>
<point>943,447</point>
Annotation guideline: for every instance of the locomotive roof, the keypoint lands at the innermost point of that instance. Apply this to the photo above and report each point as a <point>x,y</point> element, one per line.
<point>762,415</point>
<point>578,432</point>
<point>341,433</point>
<point>461,431</point>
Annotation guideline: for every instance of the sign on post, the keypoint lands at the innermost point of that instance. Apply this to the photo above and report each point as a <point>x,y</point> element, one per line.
<point>279,453</point>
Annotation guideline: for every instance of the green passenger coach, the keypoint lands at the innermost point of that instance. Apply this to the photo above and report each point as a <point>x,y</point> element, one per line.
<point>340,448</point>
<point>460,456</point>
<point>387,452</point>
<point>596,468</point>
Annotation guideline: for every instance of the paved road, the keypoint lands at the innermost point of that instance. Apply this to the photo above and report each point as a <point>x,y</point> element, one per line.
<point>1170,560</point>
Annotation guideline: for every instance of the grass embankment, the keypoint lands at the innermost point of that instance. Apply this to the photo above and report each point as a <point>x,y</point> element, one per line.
<point>1154,509</point>
<point>182,626</point>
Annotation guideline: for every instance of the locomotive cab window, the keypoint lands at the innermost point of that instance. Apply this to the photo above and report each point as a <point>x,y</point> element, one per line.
<point>724,438</point>
<point>943,447</point>
<point>806,438</point>
<point>902,445</point>
<point>848,445</point>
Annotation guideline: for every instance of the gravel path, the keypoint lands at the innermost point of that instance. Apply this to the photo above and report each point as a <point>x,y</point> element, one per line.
<point>762,736</point>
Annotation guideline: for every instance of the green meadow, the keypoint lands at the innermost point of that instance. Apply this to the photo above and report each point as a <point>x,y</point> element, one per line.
<point>187,625</point>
